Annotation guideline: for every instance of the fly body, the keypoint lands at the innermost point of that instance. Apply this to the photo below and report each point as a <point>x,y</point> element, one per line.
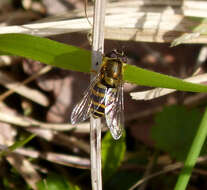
<point>110,78</point>
<point>104,97</point>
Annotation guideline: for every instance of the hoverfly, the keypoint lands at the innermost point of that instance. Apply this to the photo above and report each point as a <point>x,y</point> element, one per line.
<point>104,97</point>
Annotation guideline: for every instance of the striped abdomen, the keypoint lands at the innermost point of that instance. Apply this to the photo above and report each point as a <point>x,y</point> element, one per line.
<point>110,73</point>
<point>97,97</point>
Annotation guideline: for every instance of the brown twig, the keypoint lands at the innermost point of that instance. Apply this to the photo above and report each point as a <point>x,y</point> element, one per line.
<point>62,159</point>
<point>167,169</point>
<point>24,121</point>
<point>21,89</point>
<point>25,168</point>
<point>61,139</point>
<point>148,171</point>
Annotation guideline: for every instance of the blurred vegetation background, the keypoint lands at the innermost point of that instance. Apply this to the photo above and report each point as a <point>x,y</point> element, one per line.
<point>38,99</point>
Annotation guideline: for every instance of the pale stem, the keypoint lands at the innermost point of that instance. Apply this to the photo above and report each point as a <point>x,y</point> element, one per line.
<point>95,133</point>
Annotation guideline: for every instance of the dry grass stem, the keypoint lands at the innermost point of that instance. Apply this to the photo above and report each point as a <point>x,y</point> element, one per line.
<point>24,121</point>
<point>26,81</point>
<point>70,142</point>
<point>62,159</point>
<point>36,96</point>
<point>190,102</point>
<point>169,168</point>
<point>25,168</point>
<point>187,8</point>
<point>148,171</point>
<point>134,20</point>
<point>95,134</point>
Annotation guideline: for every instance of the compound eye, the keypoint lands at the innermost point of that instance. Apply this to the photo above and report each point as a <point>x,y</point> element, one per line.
<point>113,55</point>
<point>124,59</point>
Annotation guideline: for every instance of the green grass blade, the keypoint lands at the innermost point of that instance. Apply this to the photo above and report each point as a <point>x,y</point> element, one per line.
<point>77,59</point>
<point>46,51</point>
<point>145,77</point>
<point>16,145</point>
<point>193,154</point>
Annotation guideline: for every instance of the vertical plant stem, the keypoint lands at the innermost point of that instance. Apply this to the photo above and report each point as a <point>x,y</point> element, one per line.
<point>95,133</point>
<point>193,154</point>
<point>96,177</point>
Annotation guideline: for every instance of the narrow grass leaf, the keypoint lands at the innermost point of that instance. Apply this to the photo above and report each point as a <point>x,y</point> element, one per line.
<point>77,59</point>
<point>145,77</point>
<point>16,145</point>
<point>46,51</point>
<point>193,154</point>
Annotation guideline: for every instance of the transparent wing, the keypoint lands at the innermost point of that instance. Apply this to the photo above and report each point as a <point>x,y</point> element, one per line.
<point>82,110</point>
<point>114,111</point>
